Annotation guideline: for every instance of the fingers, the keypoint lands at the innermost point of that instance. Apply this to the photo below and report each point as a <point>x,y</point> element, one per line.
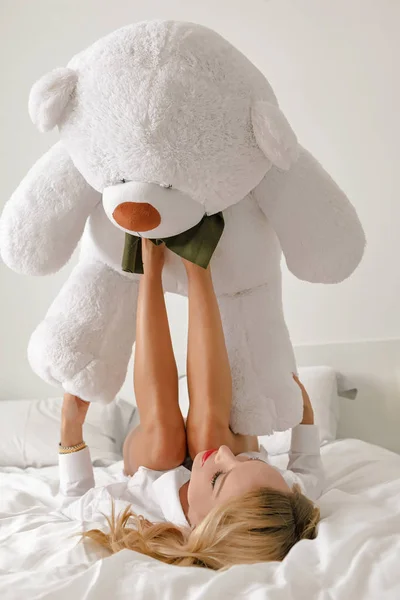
<point>297,380</point>
<point>72,398</point>
<point>85,402</point>
<point>304,392</point>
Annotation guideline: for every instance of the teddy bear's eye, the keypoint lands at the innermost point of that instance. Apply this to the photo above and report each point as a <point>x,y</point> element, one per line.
<point>123,180</point>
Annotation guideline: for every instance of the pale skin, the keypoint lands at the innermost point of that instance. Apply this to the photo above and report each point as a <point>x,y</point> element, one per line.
<point>163,439</point>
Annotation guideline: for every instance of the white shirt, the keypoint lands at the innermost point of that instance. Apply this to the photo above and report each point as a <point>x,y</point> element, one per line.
<point>155,494</point>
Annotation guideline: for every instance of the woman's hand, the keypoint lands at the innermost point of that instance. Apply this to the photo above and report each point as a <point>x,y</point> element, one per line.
<point>308,413</point>
<point>73,414</point>
<point>74,410</point>
<point>153,257</point>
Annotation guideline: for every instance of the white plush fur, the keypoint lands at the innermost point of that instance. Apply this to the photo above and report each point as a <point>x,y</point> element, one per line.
<point>86,331</point>
<point>274,135</point>
<point>167,103</point>
<point>44,219</point>
<point>49,97</point>
<point>318,229</point>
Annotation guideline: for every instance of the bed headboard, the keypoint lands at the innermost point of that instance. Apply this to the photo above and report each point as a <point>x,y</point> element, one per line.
<point>374,368</point>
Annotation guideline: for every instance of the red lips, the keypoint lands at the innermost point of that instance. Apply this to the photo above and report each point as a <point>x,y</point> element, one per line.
<point>207,455</point>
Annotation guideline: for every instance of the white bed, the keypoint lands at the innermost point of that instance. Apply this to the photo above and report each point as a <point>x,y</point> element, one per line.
<point>356,555</point>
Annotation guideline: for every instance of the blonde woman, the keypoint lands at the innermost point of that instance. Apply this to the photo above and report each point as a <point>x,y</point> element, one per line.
<point>192,493</point>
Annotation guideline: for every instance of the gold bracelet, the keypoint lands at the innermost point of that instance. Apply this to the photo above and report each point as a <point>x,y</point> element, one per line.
<point>70,449</point>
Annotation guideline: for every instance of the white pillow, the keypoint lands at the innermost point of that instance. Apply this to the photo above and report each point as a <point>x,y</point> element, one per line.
<point>30,431</point>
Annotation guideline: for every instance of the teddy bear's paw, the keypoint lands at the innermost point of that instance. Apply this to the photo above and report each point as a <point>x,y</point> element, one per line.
<point>288,405</point>
<point>52,358</point>
<point>253,416</point>
<point>55,359</point>
<point>98,381</point>
<point>279,409</point>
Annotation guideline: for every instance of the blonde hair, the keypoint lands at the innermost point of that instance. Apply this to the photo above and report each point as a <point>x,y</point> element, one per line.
<point>258,526</point>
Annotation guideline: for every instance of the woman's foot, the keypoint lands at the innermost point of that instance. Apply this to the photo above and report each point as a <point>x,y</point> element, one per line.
<point>153,258</point>
<point>193,270</point>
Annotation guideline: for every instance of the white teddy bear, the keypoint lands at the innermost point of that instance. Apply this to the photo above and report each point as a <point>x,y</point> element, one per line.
<point>163,123</point>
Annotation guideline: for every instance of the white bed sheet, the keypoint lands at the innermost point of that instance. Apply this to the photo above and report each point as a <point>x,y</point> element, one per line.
<point>355,557</point>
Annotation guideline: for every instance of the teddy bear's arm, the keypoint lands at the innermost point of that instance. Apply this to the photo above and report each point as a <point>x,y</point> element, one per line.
<point>44,219</point>
<point>318,229</point>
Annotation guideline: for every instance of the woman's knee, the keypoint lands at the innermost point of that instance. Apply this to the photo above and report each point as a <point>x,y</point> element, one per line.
<point>169,446</point>
<point>158,449</point>
<point>205,435</point>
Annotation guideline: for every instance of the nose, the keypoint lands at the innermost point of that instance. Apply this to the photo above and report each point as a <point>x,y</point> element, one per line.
<point>225,457</point>
<point>137,216</point>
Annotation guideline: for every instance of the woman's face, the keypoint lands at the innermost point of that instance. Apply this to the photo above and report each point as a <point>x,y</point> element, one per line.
<point>218,475</point>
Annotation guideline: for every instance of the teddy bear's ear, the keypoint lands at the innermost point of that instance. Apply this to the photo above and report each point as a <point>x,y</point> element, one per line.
<point>49,96</point>
<point>274,135</point>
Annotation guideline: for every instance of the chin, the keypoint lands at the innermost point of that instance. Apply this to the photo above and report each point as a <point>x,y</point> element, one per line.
<point>197,461</point>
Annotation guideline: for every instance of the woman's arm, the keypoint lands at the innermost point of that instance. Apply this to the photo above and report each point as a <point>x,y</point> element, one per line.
<point>73,415</point>
<point>75,468</point>
<point>304,455</point>
<point>308,413</point>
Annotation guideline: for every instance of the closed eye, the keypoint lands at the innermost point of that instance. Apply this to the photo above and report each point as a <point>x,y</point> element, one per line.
<point>215,477</point>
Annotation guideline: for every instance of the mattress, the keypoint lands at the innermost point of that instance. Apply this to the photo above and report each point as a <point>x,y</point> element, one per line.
<point>356,555</point>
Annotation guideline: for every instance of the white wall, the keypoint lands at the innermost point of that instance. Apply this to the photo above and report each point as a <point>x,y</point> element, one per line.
<point>333,64</point>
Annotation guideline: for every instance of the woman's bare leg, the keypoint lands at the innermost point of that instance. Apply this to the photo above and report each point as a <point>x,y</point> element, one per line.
<point>159,442</point>
<point>208,371</point>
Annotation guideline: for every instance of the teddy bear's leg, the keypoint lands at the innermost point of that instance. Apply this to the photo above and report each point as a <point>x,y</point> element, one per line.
<point>85,341</point>
<point>265,396</point>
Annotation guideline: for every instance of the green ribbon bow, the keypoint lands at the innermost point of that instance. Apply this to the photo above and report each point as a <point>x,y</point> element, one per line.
<point>197,244</point>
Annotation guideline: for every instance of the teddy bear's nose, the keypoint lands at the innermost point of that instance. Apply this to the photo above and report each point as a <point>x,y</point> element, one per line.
<point>137,216</point>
